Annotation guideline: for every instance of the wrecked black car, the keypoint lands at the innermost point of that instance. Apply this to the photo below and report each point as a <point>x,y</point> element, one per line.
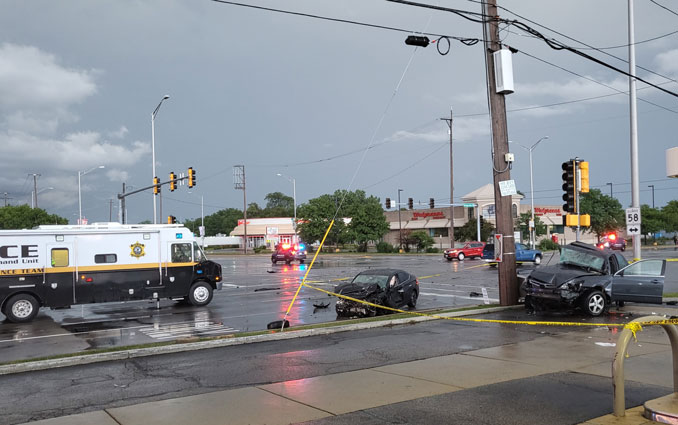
<point>388,287</point>
<point>591,279</point>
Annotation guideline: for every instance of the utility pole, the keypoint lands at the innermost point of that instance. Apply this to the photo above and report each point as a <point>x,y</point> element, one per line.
<point>652,186</point>
<point>239,182</point>
<point>110,210</point>
<point>400,225</point>
<point>6,198</point>
<point>449,124</point>
<point>635,179</point>
<point>508,283</point>
<point>35,189</point>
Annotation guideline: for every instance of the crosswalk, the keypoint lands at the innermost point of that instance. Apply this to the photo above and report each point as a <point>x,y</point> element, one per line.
<point>186,330</point>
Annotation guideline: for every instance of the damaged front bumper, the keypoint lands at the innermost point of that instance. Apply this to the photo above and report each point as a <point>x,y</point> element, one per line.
<point>350,308</point>
<point>564,295</point>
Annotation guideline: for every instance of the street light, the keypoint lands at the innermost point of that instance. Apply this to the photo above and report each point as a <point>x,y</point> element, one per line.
<point>80,174</point>
<point>34,195</point>
<point>294,197</point>
<point>610,189</point>
<point>530,149</point>
<point>652,186</point>
<point>155,112</point>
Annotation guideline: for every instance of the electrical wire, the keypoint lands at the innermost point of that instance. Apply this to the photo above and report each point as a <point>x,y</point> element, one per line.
<point>408,167</point>
<point>663,7</point>
<point>464,40</point>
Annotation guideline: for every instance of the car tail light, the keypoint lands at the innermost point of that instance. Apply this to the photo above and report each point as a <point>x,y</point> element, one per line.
<point>417,282</point>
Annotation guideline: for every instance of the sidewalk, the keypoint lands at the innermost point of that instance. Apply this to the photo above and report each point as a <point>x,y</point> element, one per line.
<point>563,379</point>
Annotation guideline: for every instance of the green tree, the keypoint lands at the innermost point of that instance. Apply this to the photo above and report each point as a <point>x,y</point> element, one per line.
<point>606,212</point>
<point>419,239</point>
<point>524,224</point>
<point>25,217</point>
<point>469,232</point>
<point>368,222</point>
<point>315,217</point>
<point>221,222</point>
<point>279,205</point>
<point>670,214</point>
<point>652,221</point>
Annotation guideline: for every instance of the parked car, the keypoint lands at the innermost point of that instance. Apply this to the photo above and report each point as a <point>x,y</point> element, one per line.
<point>591,279</point>
<point>523,254</point>
<point>612,241</point>
<point>388,287</point>
<point>463,250</point>
<point>288,253</point>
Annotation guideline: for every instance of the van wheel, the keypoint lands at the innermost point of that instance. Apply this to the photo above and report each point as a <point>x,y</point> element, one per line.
<point>594,303</point>
<point>21,308</point>
<point>200,294</point>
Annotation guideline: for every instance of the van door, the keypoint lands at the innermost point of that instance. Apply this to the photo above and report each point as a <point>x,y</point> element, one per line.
<point>642,281</point>
<point>178,273</point>
<point>59,275</point>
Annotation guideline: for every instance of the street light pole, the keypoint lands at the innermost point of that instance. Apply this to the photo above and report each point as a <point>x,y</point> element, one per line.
<point>533,227</point>
<point>80,174</point>
<point>611,196</point>
<point>652,186</point>
<point>155,112</point>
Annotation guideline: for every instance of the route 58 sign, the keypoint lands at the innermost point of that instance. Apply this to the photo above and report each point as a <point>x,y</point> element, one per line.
<point>633,221</point>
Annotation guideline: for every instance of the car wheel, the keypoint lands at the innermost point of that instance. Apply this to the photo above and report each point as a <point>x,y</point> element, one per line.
<point>623,248</point>
<point>301,261</point>
<point>537,259</point>
<point>449,258</point>
<point>21,308</point>
<point>412,303</point>
<point>288,262</point>
<point>274,261</point>
<point>460,256</point>
<point>594,303</point>
<point>200,294</point>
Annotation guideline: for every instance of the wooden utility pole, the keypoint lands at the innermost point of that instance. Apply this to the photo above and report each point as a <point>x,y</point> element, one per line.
<point>449,124</point>
<point>508,282</point>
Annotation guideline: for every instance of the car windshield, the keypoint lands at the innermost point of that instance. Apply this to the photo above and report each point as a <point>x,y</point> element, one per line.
<point>581,258</point>
<point>366,279</point>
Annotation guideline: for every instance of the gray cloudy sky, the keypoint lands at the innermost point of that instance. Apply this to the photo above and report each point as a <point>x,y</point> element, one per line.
<point>301,96</point>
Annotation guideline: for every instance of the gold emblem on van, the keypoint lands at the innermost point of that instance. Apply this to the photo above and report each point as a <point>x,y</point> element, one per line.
<point>137,250</point>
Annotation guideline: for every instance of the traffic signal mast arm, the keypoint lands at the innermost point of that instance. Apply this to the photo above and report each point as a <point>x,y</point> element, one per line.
<point>126,194</point>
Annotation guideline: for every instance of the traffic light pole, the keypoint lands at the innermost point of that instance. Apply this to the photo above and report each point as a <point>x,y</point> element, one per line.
<point>123,195</point>
<point>508,282</point>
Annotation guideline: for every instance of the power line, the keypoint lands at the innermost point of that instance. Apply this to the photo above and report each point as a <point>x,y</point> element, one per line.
<point>465,40</point>
<point>664,7</point>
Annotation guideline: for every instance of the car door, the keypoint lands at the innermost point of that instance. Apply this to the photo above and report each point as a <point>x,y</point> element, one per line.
<point>396,289</point>
<point>522,252</point>
<point>477,249</point>
<point>642,281</point>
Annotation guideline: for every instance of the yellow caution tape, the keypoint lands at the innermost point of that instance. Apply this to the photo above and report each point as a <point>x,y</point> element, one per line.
<point>632,326</point>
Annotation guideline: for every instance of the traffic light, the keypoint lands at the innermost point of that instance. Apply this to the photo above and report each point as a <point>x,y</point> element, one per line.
<point>410,204</point>
<point>173,184</point>
<point>431,203</point>
<point>171,219</point>
<point>569,186</point>
<point>584,177</point>
<point>388,203</point>
<point>191,177</point>
<point>156,185</point>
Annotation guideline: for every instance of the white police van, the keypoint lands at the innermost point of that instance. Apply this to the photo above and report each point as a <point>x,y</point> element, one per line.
<point>59,266</point>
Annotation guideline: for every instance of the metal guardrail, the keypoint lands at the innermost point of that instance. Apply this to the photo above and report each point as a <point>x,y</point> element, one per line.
<point>618,362</point>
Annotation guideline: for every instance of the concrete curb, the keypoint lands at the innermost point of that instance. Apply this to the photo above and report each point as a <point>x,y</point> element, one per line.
<point>202,345</point>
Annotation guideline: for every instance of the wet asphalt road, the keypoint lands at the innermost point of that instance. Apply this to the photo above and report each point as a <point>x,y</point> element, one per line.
<point>255,293</point>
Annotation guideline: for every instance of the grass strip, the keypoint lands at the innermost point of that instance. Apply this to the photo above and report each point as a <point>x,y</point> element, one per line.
<point>386,317</point>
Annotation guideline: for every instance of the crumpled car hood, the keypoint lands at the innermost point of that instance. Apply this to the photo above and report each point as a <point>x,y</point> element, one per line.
<point>357,291</point>
<point>558,274</point>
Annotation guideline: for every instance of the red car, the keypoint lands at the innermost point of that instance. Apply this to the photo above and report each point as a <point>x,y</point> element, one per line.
<point>463,250</point>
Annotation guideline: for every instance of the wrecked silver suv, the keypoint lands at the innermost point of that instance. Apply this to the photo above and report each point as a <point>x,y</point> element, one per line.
<point>591,279</point>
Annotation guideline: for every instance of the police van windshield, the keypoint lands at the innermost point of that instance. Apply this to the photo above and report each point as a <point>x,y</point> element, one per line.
<point>198,255</point>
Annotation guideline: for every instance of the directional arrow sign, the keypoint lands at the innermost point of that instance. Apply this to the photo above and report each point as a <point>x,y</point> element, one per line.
<point>632,230</point>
